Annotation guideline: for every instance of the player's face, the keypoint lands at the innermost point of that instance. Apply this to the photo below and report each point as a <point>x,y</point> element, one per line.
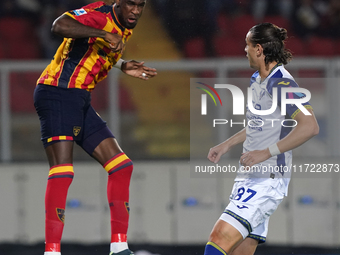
<point>251,51</point>
<point>129,11</point>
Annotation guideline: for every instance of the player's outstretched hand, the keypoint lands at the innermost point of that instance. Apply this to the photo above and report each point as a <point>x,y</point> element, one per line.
<point>250,158</point>
<point>115,42</point>
<point>138,70</point>
<point>216,152</point>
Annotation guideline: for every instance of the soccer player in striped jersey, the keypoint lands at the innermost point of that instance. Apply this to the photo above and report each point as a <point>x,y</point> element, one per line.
<point>94,39</point>
<point>266,145</point>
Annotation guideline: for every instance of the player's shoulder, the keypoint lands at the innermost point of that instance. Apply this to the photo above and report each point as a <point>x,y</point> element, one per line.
<point>94,14</point>
<point>280,78</point>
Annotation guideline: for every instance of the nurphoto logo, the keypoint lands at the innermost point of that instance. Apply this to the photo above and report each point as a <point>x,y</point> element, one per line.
<point>289,96</point>
<point>238,99</point>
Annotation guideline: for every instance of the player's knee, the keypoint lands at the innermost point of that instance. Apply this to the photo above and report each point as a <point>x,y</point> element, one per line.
<point>225,239</point>
<point>227,232</point>
<point>219,235</point>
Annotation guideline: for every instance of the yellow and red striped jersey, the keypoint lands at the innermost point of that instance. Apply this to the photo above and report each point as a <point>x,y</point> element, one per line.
<point>82,63</point>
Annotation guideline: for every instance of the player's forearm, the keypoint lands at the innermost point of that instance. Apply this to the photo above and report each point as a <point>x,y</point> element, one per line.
<point>68,27</point>
<point>216,152</point>
<point>237,138</point>
<point>307,128</point>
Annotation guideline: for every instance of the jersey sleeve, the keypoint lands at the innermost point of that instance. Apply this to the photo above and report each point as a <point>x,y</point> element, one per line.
<point>279,83</point>
<point>88,17</point>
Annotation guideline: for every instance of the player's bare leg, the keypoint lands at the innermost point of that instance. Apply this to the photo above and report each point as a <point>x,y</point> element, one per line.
<point>106,150</point>
<point>60,153</point>
<point>247,247</point>
<point>223,239</point>
<point>59,179</point>
<point>119,168</point>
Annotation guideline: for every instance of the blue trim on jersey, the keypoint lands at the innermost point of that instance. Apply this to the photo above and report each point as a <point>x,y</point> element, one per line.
<point>285,131</point>
<point>276,81</point>
<point>253,77</point>
<point>281,158</point>
<point>273,82</point>
<point>281,162</point>
<point>277,74</point>
<point>280,83</point>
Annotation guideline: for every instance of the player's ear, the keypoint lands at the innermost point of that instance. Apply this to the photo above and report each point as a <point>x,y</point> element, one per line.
<point>259,49</point>
<point>117,3</point>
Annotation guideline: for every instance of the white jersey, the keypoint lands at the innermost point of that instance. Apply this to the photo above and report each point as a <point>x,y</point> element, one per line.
<point>265,130</point>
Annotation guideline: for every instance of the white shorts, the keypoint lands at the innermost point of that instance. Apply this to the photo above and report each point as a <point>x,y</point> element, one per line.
<point>252,201</point>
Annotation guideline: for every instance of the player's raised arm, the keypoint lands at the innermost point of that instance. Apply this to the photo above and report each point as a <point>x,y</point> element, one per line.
<point>67,27</point>
<point>216,152</point>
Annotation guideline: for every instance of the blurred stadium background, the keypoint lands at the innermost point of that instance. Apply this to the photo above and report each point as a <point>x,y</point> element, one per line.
<point>171,213</point>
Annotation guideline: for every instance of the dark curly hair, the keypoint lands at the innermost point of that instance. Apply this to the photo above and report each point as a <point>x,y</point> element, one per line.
<point>271,38</point>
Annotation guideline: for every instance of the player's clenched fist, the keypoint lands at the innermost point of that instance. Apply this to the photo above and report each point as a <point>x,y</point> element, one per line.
<point>216,152</point>
<point>115,42</point>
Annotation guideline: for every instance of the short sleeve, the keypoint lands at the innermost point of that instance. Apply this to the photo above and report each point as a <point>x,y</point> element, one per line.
<point>88,17</point>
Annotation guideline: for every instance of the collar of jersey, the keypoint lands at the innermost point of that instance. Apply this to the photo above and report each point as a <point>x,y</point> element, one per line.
<point>277,65</point>
<point>115,19</point>
<point>270,73</point>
